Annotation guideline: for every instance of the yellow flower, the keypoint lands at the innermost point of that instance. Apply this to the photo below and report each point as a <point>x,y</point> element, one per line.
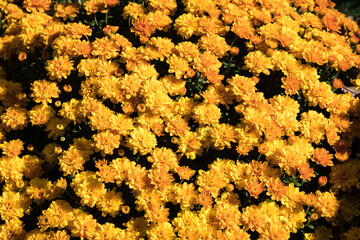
<point>178,65</point>
<point>141,140</point>
<point>173,85</point>
<point>257,62</point>
<point>70,111</point>
<point>44,91</point>
<point>110,203</point>
<point>222,135</point>
<point>83,225</point>
<point>39,189</point>
<point>215,44</point>
<point>207,114</point>
<point>12,148</point>
<point>104,48</point>
<point>60,67</point>
<point>186,25</point>
<point>109,231</point>
<point>190,145</point>
<point>13,205</point>
<point>313,126</point>
<point>71,161</point>
<point>32,166</point>
<point>327,204</point>
<point>40,114</point>
<point>14,118</point>
<point>106,142</point>
<point>161,231</point>
<point>65,10</point>
<point>93,6</point>
<point>163,158</point>
<point>88,187</point>
<point>63,46</point>
<point>38,5</point>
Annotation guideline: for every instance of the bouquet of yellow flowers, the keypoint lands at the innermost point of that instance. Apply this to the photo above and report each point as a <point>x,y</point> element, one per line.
<point>191,119</point>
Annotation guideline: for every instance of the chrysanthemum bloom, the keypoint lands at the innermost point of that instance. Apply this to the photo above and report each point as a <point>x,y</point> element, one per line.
<point>257,62</point>
<point>214,44</point>
<point>186,25</point>
<point>12,148</point>
<point>71,161</point>
<point>344,176</point>
<point>32,166</point>
<point>275,188</point>
<point>43,91</point>
<point>222,135</point>
<point>41,114</point>
<point>163,158</point>
<point>13,205</point>
<point>14,118</point>
<point>323,157</point>
<point>88,187</point>
<point>83,225</point>
<point>81,48</point>
<point>141,140</point>
<point>58,215</point>
<point>109,231</point>
<point>110,203</point>
<point>291,85</point>
<point>65,10</point>
<point>143,27</point>
<point>38,5</point>
<point>106,142</point>
<point>104,48</point>
<point>60,67</point>
<point>207,114</point>
<point>178,65</point>
<point>337,83</point>
<point>94,6</point>
<point>190,145</point>
<point>163,230</point>
<point>70,111</point>
<point>327,204</point>
<point>62,46</point>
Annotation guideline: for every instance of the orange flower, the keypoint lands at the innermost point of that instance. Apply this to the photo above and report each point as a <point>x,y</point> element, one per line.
<point>257,62</point>
<point>306,172</point>
<point>243,148</point>
<point>275,188</point>
<point>22,56</point>
<point>143,27</point>
<point>255,187</point>
<point>204,198</point>
<point>323,157</point>
<point>290,84</point>
<point>337,83</point>
<point>185,173</point>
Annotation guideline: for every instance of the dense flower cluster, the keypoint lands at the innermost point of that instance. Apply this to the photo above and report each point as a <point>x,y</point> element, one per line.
<point>192,119</point>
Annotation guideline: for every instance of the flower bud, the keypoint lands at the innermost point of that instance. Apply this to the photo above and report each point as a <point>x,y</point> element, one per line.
<point>314,217</point>
<point>234,51</point>
<point>322,181</point>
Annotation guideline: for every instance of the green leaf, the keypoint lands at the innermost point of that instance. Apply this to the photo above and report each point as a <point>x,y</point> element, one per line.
<point>311,226</point>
